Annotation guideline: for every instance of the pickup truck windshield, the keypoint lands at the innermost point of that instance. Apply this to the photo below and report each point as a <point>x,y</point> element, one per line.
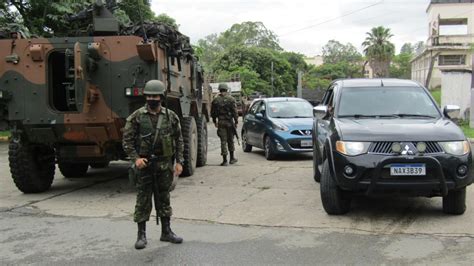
<point>386,102</point>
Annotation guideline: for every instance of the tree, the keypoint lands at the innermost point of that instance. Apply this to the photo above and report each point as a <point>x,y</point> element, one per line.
<point>136,8</point>
<point>165,19</point>
<point>419,47</point>
<point>334,52</point>
<point>379,50</point>
<point>407,48</point>
<point>249,34</point>
<point>401,66</point>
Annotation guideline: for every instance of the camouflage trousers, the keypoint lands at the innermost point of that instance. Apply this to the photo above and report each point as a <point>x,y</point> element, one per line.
<point>153,185</point>
<point>226,135</point>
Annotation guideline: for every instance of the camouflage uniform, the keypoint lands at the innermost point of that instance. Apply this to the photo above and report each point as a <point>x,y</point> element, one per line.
<point>139,133</point>
<point>223,111</point>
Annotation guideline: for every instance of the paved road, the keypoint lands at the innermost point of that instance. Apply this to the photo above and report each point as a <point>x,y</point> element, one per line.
<point>255,212</point>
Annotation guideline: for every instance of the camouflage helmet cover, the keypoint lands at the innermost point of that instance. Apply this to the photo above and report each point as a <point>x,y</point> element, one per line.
<point>154,87</point>
<point>223,87</point>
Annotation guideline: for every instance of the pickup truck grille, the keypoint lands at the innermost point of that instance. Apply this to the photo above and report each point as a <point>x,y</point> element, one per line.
<point>385,147</point>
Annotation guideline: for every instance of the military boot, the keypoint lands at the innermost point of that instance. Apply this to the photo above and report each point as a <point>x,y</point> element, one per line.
<point>224,161</point>
<point>232,158</point>
<point>141,238</point>
<point>166,234</point>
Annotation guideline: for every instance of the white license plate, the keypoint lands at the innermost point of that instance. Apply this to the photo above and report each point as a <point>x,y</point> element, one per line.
<point>407,169</point>
<point>306,143</point>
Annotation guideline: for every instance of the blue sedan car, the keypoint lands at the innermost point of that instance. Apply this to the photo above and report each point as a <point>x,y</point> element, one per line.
<point>279,126</point>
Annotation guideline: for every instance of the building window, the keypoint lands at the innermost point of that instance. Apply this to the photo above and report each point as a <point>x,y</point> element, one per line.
<point>448,60</point>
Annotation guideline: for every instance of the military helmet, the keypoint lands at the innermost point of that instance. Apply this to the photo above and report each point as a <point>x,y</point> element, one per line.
<point>154,87</point>
<point>223,87</point>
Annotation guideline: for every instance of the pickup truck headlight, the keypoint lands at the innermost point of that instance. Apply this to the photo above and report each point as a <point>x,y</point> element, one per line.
<point>352,148</point>
<point>456,147</point>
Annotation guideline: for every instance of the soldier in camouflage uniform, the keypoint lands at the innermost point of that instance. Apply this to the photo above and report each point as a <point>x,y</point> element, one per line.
<point>223,111</point>
<point>152,139</point>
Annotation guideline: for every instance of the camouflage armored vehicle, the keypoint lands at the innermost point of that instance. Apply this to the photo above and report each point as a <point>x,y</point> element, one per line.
<point>66,99</point>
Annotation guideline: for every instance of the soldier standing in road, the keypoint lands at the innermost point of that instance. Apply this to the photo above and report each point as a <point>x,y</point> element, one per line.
<point>152,139</point>
<point>223,111</point>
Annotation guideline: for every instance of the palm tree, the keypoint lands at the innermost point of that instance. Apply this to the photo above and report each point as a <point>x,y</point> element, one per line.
<point>379,50</point>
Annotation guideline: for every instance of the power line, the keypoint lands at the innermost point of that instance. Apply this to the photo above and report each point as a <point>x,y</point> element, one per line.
<point>332,19</point>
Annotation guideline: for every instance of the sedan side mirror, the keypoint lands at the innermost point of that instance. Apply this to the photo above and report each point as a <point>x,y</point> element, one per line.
<point>320,111</point>
<point>451,111</point>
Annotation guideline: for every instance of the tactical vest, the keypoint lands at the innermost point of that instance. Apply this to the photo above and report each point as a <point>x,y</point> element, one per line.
<point>225,106</point>
<point>163,145</point>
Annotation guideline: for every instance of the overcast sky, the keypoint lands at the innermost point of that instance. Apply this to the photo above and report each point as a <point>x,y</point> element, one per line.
<point>301,25</point>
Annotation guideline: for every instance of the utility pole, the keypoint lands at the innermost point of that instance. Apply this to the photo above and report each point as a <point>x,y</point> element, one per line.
<point>299,88</point>
<point>273,89</point>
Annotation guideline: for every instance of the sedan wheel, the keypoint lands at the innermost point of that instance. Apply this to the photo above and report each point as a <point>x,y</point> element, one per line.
<point>269,152</point>
<point>245,146</point>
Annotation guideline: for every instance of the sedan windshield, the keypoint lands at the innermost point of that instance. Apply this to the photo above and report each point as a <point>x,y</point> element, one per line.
<point>386,102</point>
<point>290,109</point>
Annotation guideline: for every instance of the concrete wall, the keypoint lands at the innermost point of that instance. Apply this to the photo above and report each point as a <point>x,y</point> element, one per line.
<point>452,10</point>
<point>456,89</point>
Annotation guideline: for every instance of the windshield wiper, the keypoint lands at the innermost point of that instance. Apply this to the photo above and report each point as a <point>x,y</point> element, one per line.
<point>300,116</point>
<point>414,115</point>
<point>357,116</point>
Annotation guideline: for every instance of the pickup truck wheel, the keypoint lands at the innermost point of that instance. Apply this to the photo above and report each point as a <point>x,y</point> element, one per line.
<point>334,200</point>
<point>455,202</point>
<point>316,172</point>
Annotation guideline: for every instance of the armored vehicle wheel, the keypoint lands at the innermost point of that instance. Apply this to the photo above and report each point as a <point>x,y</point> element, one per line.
<point>455,202</point>
<point>69,169</point>
<point>201,123</point>
<point>99,165</point>
<point>190,138</point>
<point>333,198</point>
<point>32,166</point>
<point>245,146</point>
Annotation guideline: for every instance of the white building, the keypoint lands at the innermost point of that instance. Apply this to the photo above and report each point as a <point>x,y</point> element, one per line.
<point>449,45</point>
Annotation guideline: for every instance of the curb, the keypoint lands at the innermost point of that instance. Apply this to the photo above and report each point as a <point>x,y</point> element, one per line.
<point>4,138</point>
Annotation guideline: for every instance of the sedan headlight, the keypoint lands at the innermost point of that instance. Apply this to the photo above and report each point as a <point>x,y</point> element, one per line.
<point>352,148</point>
<point>279,126</point>
<point>456,147</point>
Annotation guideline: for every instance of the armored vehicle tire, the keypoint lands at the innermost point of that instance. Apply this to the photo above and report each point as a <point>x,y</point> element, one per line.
<point>190,138</point>
<point>245,146</point>
<point>99,165</point>
<point>455,202</point>
<point>201,123</point>
<point>316,172</point>
<point>32,167</point>
<point>269,152</point>
<point>334,200</point>
<point>72,170</point>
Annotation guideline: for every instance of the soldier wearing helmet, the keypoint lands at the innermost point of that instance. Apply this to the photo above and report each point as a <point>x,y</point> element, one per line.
<point>224,115</point>
<point>152,139</point>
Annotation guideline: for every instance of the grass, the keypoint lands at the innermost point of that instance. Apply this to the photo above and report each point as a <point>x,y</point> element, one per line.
<point>469,132</point>
<point>437,95</point>
<point>5,134</point>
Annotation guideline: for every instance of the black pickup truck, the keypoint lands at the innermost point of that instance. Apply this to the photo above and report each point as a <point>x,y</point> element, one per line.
<point>388,136</point>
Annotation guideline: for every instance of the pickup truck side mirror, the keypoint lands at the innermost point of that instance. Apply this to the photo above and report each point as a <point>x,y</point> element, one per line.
<point>320,111</point>
<point>451,111</point>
